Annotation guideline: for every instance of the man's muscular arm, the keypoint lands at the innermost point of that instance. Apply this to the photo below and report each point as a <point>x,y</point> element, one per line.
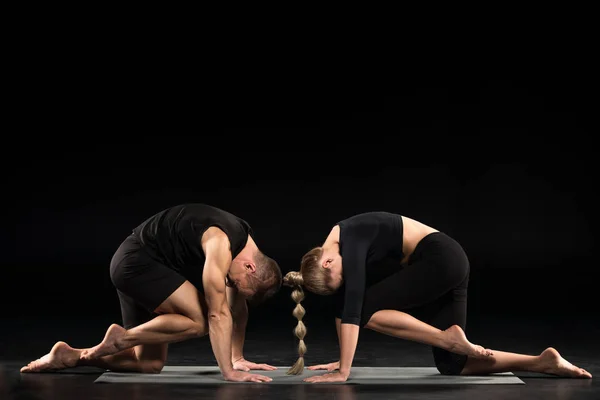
<point>239,309</point>
<point>218,259</point>
<point>215,245</point>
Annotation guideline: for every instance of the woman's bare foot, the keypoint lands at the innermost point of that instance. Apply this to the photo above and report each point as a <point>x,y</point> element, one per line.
<point>111,344</point>
<point>456,342</point>
<point>552,363</point>
<point>60,357</point>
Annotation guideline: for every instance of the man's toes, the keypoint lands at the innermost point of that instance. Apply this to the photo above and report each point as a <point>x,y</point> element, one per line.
<point>584,372</point>
<point>29,367</point>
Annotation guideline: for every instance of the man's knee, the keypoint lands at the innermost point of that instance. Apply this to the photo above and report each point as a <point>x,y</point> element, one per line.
<point>150,358</point>
<point>200,327</point>
<point>152,366</point>
<point>448,363</point>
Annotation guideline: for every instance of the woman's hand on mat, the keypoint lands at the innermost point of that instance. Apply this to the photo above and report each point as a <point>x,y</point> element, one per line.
<point>329,367</point>
<point>241,376</point>
<point>333,377</point>
<point>242,364</point>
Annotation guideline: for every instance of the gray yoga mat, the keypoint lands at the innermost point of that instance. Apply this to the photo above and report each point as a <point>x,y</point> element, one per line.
<point>208,375</point>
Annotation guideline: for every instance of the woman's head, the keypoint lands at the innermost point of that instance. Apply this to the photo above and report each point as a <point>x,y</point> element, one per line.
<point>321,270</point>
<point>321,273</point>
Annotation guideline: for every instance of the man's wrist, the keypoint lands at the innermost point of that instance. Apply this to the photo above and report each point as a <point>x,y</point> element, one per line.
<point>236,358</point>
<point>227,371</point>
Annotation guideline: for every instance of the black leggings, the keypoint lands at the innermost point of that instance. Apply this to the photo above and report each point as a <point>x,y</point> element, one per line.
<point>431,287</point>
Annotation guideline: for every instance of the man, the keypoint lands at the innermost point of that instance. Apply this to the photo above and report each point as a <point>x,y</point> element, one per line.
<point>185,272</point>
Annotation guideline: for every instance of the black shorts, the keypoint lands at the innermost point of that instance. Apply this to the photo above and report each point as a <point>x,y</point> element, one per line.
<point>142,282</point>
<point>432,287</point>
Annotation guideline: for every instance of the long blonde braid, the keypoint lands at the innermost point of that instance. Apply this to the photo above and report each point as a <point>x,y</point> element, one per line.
<point>294,280</point>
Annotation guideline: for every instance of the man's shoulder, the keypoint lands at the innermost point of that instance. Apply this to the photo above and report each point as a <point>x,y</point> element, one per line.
<point>214,234</point>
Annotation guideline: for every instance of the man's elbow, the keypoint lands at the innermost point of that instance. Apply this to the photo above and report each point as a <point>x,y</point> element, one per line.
<point>218,313</point>
<point>217,310</point>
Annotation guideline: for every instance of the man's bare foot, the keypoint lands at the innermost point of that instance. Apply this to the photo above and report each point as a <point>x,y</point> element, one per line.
<point>111,344</point>
<point>552,363</point>
<point>60,357</point>
<point>456,342</point>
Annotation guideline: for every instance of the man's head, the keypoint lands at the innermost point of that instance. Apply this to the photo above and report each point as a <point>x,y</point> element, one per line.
<point>256,277</point>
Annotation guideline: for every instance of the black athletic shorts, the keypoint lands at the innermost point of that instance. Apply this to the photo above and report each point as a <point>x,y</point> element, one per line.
<point>142,282</point>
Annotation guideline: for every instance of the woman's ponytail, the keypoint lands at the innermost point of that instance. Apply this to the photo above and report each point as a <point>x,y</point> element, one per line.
<point>294,280</point>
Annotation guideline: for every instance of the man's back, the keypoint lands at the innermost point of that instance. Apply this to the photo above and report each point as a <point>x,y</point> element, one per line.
<point>172,236</point>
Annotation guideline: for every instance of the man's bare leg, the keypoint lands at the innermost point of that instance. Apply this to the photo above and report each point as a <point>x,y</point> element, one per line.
<point>145,358</point>
<point>405,326</point>
<point>182,318</point>
<point>548,362</point>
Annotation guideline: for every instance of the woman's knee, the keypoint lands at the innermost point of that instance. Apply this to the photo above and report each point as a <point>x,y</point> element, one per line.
<point>376,320</point>
<point>448,363</point>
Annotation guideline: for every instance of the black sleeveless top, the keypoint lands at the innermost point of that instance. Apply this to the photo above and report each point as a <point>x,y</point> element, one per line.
<point>172,236</point>
<point>369,244</point>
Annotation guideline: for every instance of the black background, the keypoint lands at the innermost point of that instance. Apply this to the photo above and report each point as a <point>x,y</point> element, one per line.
<point>505,164</point>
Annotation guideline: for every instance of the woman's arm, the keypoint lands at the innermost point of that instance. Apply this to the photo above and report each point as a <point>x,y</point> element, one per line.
<point>348,342</point>
<point>354,256</point>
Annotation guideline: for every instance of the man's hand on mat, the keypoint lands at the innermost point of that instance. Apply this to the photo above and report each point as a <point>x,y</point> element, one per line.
<point>240,376</point>
<point>329,367</point>
<point>333,377</point>
<point>242,364</point>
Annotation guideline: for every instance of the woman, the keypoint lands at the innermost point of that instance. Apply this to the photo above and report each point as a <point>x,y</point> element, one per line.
<point>429,278</point>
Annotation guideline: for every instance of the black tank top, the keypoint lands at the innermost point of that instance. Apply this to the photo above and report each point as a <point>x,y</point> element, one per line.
<point>172,236</point>
<point>370,243</point>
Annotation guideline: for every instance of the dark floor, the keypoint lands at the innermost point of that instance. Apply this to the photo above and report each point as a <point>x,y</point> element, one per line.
<point>575,337</point>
